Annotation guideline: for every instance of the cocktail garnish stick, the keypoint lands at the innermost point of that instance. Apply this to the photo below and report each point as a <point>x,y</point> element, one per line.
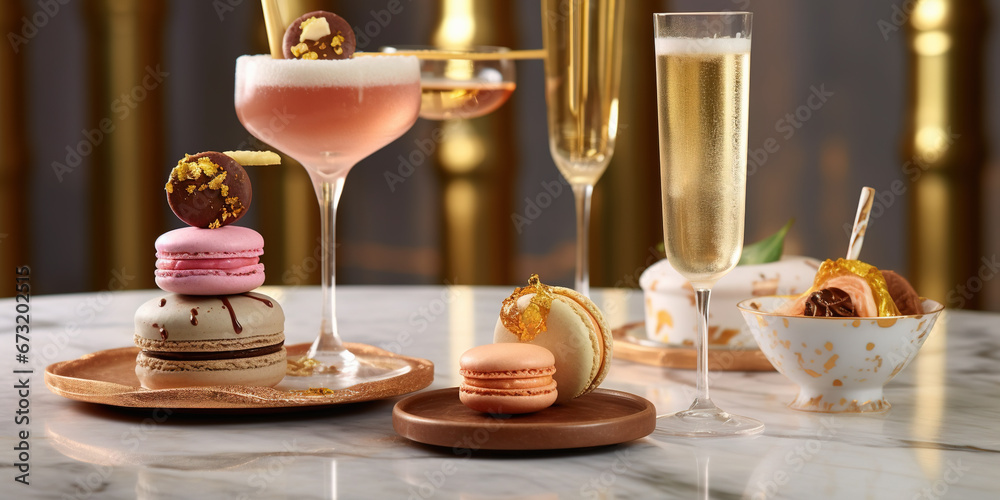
<point>275,28</point>
<point>451,54</point>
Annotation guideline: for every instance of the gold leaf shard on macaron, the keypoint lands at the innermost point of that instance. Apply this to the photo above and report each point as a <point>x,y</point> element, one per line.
<point>529,323</point>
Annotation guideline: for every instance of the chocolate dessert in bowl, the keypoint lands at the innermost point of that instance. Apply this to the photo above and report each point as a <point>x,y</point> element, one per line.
<point>843,339</point>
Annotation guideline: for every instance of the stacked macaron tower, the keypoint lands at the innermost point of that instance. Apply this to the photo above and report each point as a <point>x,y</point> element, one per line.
<point>210,329</point>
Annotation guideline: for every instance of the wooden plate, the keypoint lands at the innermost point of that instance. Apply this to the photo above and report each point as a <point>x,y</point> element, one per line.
<point>631,344</point>
<point>600,418</point>
<point>108,377</point>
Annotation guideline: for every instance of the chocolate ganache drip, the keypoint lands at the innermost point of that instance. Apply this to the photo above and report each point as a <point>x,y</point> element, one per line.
<point>831,303</point>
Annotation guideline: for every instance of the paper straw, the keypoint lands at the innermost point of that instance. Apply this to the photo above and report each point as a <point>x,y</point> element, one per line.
<point>861,223</point>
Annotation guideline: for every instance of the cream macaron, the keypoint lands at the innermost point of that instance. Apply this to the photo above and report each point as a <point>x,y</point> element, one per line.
<point>569,325</point>
<point>190,340</point>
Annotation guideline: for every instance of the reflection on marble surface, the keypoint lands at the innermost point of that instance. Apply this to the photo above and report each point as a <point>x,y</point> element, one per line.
<point>938,441</point>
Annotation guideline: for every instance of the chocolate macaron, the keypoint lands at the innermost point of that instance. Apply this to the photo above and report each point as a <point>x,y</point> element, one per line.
<point>191,340</point>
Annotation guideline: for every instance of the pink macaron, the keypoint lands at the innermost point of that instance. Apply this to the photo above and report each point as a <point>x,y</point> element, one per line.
<point>507,378</point>
<point>197,261</point>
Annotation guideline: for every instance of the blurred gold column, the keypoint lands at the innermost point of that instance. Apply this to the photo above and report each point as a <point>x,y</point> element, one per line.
<point>476,161</point>
<point>944,146</point>
<point>128,82</point>
<point>14,213</point>
<point>626,218</point>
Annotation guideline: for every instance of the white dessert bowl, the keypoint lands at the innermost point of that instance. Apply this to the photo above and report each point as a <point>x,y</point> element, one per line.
<point>840,365</point>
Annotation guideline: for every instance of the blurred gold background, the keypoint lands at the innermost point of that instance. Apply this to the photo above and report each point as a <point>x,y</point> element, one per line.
<point>101,97</point>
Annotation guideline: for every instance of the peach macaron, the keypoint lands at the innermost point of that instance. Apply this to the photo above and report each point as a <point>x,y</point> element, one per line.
<point>507,378</point>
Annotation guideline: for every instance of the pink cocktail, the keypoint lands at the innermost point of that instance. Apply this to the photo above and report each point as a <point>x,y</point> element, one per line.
<point>329,115</point>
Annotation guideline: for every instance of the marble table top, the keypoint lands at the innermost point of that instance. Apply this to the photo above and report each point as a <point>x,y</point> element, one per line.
<point>941,439</point>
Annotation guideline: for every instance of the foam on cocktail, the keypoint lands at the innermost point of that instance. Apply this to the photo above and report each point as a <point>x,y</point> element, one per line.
<point>678,45</point>
<point>366,71</point>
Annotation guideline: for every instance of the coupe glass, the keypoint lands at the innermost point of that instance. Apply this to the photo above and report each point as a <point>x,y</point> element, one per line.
<point>703,83</point>
<point>583,44</point>
<point>461,83</point>
<point>329,115</point>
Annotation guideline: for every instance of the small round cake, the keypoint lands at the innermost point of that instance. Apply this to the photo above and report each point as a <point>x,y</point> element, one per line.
<point>507,378</point>
<point>191,340</point>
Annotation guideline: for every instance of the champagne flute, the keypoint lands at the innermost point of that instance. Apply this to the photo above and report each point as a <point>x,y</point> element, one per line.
<point>583,44</point>
<point>336,112</point>
<point>703,81</point>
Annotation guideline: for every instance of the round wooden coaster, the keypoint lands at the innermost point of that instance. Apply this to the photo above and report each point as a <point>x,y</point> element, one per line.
<point>600,418</point>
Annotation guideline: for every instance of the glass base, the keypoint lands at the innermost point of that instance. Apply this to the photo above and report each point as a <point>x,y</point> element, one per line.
<point>331,361</point>
<point>704,419</point>
<point>341,370</point>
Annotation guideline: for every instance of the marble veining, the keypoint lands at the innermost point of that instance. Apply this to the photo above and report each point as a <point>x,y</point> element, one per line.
<point>939,440</point>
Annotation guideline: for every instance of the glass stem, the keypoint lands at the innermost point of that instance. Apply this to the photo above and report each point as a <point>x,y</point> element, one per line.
<point>703,480</point>
<point>328,341</point>
<point>582,193</point>
<point>701,298</point>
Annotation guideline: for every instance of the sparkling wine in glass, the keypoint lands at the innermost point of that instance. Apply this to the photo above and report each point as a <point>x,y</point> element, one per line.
<point>703,83</point>
<point>583,44</point>
<point>461,83</point>
<point>329,115</point>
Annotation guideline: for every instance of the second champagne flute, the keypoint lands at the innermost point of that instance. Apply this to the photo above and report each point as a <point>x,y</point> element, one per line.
<point>583,44</point>
<point>702,86</point>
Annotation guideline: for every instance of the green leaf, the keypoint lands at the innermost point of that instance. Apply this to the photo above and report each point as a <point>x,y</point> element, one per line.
<point>766,250</point>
